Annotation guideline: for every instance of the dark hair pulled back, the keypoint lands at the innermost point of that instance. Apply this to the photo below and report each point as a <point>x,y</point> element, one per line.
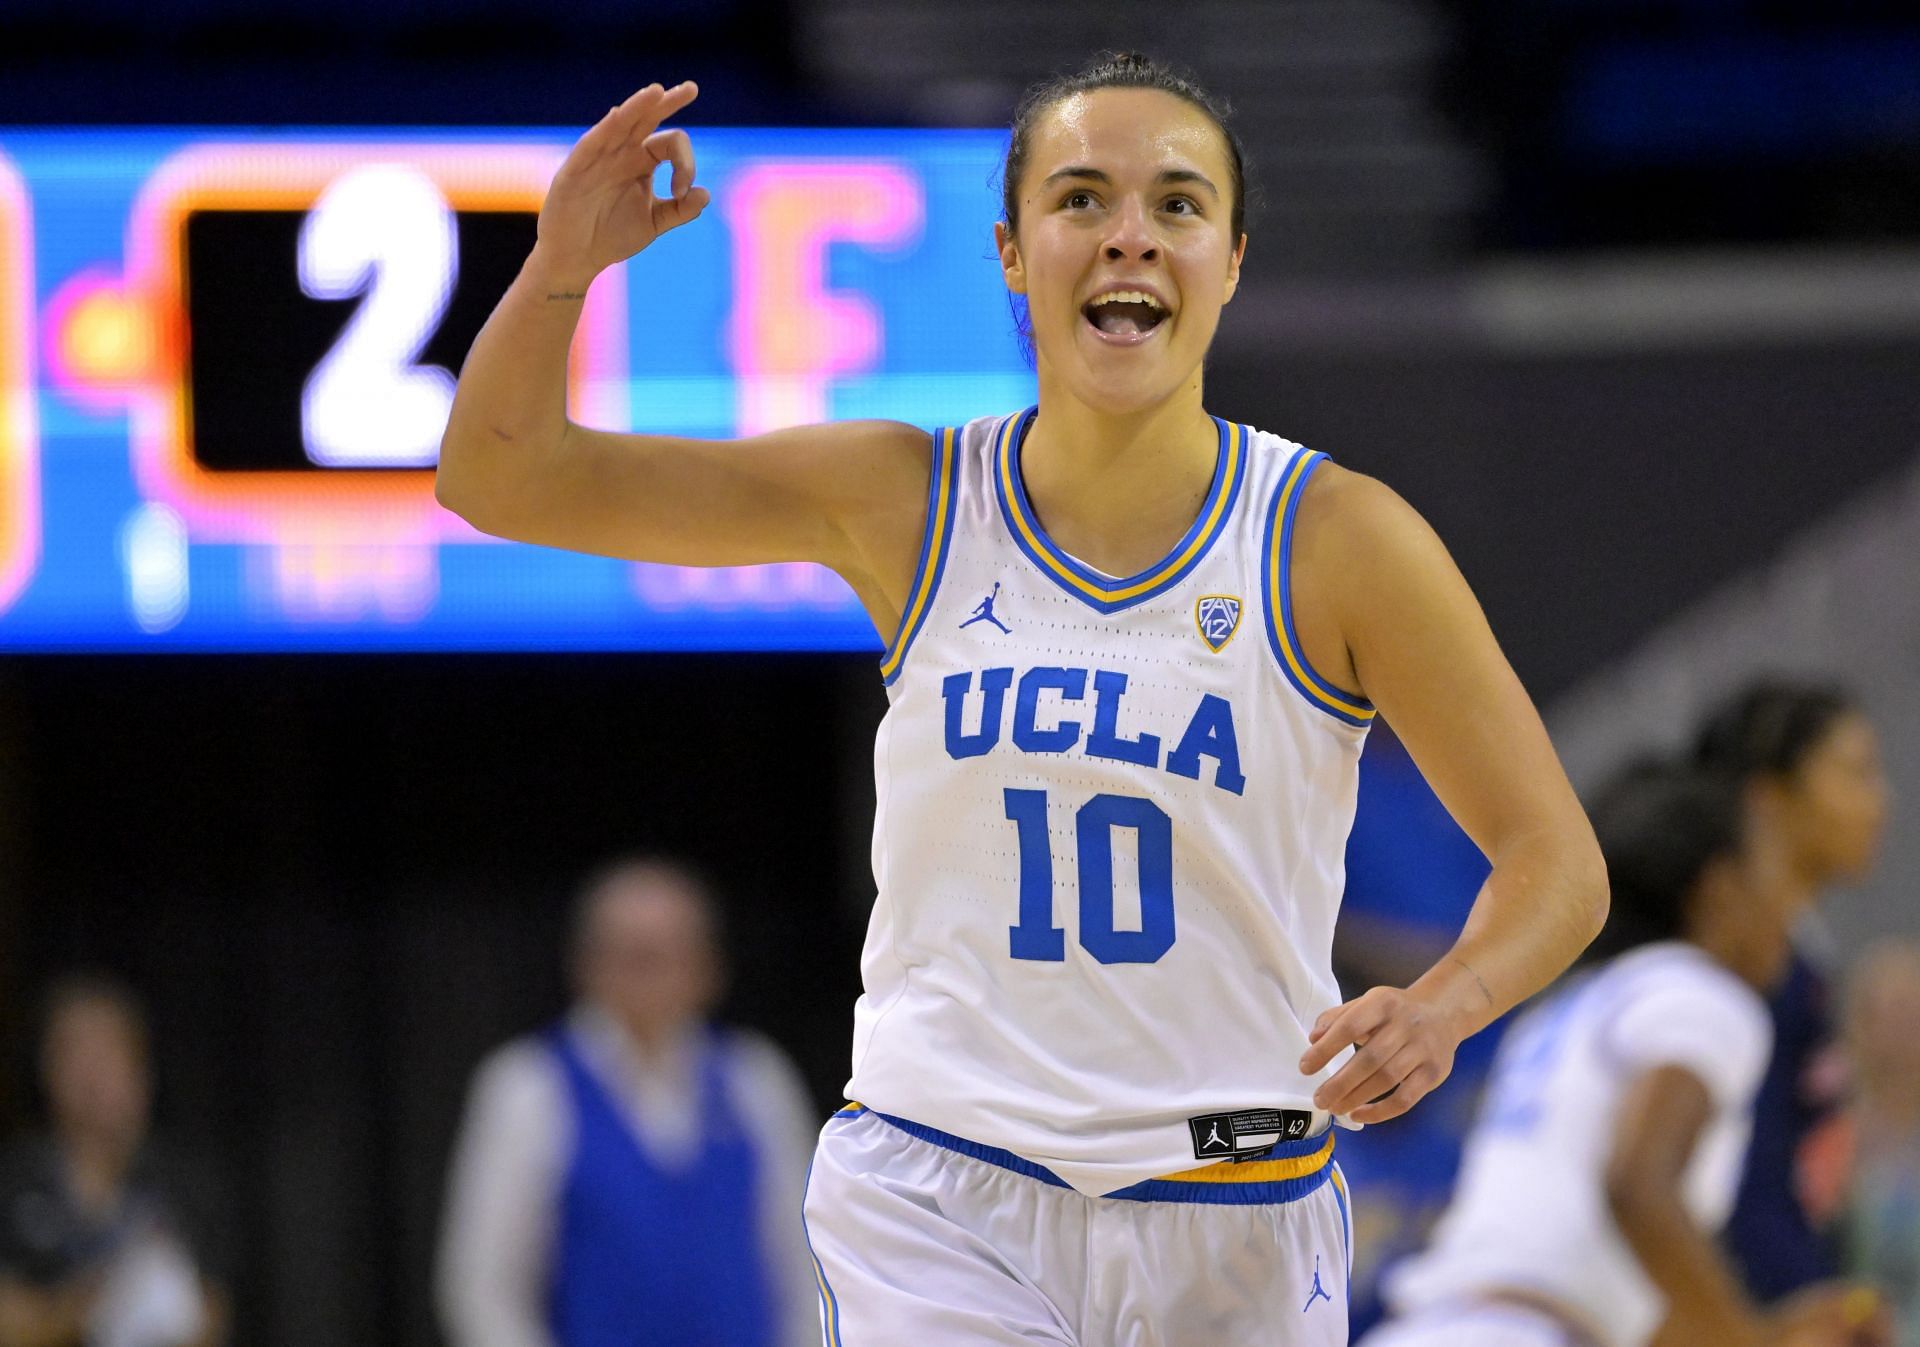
<point>1770,728</point>
<point>1660,825</point>
<point>1117,70</point>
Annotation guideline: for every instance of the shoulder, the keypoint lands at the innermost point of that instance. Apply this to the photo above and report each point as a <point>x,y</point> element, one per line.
<point>876,461</point>
<point>1370,555</point>
<point>1670,1002</point>
<point>777,1105</point>
<point>1680,971</point>
<point>1348,511</point>
<point>520,1078</point>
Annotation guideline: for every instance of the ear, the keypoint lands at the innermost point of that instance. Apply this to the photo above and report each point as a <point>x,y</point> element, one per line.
<point>1233,268</point>
<point>1012,270</point>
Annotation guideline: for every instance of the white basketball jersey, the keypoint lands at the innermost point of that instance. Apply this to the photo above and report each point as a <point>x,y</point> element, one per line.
<point>1530,1211</point>
<point>1111,830</point>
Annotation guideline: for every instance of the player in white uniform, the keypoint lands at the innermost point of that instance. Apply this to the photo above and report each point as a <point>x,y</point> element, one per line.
<point>1132,653</point>
<point>1615,1123</point>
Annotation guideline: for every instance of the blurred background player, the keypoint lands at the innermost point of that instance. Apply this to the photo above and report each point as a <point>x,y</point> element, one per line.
<point>1881,1227</point>
<point>1610,1140</point>
<point>1809,761</point>
<point>104,1237</point>
<point>632,1176</point>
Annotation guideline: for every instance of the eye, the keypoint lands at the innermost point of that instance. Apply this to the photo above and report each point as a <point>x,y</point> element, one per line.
<point>1187,205</point>
<point>1078,199</point>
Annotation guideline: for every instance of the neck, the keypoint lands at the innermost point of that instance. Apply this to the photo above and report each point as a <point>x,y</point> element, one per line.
<point>654,1044</point>
<point>1755,955</point>
<point>1118,488</point>
<point>1100,437</point>
<point>96,1164</point>
<point>1805,882</point>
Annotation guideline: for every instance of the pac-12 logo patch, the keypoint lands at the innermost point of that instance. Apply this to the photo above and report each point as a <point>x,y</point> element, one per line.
<point>1218,617</point>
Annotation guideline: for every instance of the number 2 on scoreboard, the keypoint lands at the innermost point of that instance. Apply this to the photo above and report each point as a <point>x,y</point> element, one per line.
<point>387,231</point>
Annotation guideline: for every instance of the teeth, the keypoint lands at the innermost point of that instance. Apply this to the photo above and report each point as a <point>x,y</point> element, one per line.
<point>1127,297</point>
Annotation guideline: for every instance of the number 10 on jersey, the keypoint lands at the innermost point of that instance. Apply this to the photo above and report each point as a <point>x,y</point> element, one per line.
<point>1095,822</point>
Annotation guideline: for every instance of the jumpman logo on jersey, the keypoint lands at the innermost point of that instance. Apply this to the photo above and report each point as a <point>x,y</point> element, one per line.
<point>1215,1139</point>
<point>1319,1292</point>
<point>984,613</point>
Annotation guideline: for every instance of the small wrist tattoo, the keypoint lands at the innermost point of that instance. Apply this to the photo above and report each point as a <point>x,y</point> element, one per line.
<point>1476,978</point>
<point>567,294</point>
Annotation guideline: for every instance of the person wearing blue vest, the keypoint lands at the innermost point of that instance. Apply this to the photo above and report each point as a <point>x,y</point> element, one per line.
<point>631,1176</point>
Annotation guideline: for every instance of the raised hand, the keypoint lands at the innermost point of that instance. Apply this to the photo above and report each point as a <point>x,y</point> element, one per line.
<point>601,207</point>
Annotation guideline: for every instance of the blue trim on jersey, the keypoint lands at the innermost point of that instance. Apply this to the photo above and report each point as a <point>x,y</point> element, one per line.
<point>1148,1190</point>
<point>992,1155</point>
<point>1277,558</point>
<point>1104,592</point>
<point>1226,1194</point>
<point>943,493</point>
<point>829,1302</point>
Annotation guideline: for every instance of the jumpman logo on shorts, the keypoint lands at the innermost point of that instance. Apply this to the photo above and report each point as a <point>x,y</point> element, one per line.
<point>1319,1292</point>
<point>984,613</point>
<point>1215,1139</point>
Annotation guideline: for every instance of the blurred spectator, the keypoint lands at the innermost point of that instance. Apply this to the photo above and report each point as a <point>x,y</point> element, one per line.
<point>103,1238</point>
<point>633,1175</point>
<point>1811,761</point>
<point>1883,1223</point>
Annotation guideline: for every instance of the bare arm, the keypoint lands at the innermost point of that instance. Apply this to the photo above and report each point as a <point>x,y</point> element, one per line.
<point>851,496</point>
<point>1399,619</point>
<point>1660,1122</point>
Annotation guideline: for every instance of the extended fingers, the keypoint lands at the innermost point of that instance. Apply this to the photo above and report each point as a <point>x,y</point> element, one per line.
<point>613,131</point>
<point>626,127</point>
<point>1371,1055</point>
<point>1418,1083</point>
<point>1373,1071</point>
<point>1342,1027</point>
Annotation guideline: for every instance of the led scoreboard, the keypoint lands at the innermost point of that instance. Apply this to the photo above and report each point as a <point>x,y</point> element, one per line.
<point>226,360</point>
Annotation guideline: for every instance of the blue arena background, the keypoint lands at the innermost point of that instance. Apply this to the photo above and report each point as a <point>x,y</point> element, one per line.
<point>873,250</point>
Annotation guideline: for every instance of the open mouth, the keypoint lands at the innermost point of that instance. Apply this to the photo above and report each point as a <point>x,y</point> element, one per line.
<point>1124,314</point>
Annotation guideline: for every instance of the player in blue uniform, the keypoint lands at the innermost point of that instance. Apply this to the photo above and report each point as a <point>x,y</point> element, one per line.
<point>1031,1090</point>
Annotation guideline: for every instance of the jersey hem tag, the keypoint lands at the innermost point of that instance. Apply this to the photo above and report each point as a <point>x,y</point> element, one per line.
<point>1248,1134</point>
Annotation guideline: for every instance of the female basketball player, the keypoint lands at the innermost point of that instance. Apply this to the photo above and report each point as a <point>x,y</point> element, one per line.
<point>1810,760</point>
<point>1609,1145</point>
<point>1110,834</point>
<point>1810,756</point>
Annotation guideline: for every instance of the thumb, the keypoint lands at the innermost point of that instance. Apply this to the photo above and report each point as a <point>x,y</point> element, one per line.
<point>683,209</point>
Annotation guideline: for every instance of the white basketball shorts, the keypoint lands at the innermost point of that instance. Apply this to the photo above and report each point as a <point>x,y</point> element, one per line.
<point>921,1239</point>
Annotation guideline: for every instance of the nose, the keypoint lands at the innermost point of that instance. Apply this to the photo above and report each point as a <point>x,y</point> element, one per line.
<point>1130,235</point>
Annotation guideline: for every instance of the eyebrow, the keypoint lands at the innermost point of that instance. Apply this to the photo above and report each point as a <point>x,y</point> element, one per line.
<point>1165,175</point>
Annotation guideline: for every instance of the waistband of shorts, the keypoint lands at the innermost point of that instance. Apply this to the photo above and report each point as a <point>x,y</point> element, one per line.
<point>1287,1173</point>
